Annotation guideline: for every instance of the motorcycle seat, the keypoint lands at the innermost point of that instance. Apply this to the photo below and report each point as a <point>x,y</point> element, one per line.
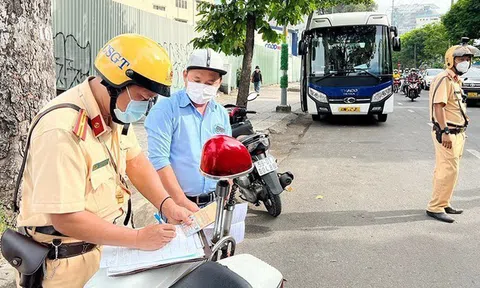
<point>212,275</point>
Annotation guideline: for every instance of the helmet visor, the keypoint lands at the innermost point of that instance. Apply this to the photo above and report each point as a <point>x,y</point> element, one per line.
<point>151,85</point>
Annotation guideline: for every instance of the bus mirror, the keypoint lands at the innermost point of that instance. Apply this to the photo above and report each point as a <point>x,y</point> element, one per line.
<point>394,30</point>
<point>302,48</point>
<point>397,45</point>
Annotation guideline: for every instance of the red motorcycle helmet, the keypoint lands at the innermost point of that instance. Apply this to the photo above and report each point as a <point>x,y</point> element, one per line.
<point>224,157</point>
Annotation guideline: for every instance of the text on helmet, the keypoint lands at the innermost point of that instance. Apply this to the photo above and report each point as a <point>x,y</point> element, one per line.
<point>115,57</point>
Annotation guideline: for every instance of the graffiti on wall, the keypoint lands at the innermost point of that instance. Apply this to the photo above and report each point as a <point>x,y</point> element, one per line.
<point>72,60</point>
<point>179,54</point>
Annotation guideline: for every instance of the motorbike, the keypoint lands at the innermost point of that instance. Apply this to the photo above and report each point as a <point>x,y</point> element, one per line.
<point>264,184</point>
<point>413,91</point>
<point>221,267</point>
<point>396,85</point>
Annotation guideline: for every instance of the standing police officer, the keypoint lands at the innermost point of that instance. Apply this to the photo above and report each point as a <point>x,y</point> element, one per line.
<point>81,148</point>
<point>448,114</point>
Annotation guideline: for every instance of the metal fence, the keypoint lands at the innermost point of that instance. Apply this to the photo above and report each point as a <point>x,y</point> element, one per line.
<point>83,27</point>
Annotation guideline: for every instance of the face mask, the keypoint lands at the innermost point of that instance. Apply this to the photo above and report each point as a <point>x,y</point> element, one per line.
<point>201,93</point>
<point>134,112</point>
<point>462,67</point>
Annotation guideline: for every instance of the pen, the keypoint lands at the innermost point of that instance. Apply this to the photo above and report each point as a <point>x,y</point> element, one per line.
<point>159,219</point>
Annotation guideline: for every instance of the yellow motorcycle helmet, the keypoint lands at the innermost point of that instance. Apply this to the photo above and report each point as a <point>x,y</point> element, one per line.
<point>459,51</point>
<point>134,59</point>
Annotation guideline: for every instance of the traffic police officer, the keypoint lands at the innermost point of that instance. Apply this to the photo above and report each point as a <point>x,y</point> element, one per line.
<point>448,114</point>
<point>73,185</point>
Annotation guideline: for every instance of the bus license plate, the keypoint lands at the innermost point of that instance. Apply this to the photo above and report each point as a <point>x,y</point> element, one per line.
<point>472,94</point>
<point>266,165</point>
<point>349,109</point>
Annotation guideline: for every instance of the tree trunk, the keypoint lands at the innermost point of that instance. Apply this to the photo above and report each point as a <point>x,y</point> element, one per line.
<point>27,82</point>
<point>247,62</point>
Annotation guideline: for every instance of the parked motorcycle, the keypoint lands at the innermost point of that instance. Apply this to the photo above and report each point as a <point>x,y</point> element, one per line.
<point>221,268</point>
<point>396,85</point>
<point>413,90</point>
<point>263,184</point>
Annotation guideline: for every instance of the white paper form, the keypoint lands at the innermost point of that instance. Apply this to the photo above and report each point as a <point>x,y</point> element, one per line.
<point>237,230</point>
<point>179,249</point>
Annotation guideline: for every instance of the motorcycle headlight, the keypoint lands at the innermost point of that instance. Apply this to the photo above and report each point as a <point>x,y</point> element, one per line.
<point>382,94</point>
<point>319,96</point>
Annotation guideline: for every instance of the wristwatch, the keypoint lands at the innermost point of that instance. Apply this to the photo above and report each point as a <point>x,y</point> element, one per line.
<point>446,130</point>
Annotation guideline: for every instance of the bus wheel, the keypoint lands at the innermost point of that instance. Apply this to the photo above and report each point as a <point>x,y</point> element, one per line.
<point>316,117</point>
<point>382,117</point>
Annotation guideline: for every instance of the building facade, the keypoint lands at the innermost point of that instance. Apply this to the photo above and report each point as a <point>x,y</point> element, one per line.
<point>423,20</point>
<point>184,11</point>
<point>405,16</point>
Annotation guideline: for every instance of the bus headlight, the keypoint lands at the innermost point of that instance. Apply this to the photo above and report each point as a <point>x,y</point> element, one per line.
<point>319,96</point>
<point>382,94</point>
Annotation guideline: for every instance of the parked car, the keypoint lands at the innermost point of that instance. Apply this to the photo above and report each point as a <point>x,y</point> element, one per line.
<point>428,77</point>
<point>471,85</point>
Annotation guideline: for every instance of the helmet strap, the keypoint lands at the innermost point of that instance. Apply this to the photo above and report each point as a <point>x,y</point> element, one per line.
<point>113,92</point>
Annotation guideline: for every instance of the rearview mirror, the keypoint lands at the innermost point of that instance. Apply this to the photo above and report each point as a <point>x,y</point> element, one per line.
<point>252,96</point>
<point>302,48</point>
<point>397,45</point>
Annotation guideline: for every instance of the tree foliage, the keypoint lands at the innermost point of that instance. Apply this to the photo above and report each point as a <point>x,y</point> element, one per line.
<point>462,20</point>
<point>428,43</point>
<point>225,27</point>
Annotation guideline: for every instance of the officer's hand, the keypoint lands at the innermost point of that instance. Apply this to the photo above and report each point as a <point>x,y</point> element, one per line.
<point>155,236</point>
<point>175,213</point>
<point>447,141</point>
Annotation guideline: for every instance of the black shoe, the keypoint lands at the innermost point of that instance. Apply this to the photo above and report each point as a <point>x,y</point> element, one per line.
<point>441,217</point>
<point>450,210</point>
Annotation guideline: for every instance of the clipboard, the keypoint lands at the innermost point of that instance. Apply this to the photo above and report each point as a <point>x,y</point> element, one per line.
<point>207,250</point>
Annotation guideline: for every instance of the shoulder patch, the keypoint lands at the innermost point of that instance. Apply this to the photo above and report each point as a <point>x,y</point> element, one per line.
<point>80,128</point>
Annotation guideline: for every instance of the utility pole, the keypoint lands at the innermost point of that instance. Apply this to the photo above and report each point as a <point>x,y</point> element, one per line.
<point>393,7</point>
<point>284,107</point>
<point>415,54</point>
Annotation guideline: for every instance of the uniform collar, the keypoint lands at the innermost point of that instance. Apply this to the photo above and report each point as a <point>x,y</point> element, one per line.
<point>452,75</point>
<point>184,101</point>
<point>99,127</point>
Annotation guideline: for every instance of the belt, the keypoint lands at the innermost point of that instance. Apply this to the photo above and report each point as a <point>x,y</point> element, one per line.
<point>457,130</point>
<point>202,199</point>
<point>59,250</point>
<point>67,250</point>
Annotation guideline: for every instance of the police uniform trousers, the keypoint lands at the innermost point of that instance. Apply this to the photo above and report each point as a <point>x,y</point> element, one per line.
<point>447,164</point>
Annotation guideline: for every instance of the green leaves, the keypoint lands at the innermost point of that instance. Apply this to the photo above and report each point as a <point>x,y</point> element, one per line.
<point>463,20</point>
<point>428,44</point>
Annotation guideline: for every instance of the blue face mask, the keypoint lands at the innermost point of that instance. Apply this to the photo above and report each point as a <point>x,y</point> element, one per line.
<point>134,112</point>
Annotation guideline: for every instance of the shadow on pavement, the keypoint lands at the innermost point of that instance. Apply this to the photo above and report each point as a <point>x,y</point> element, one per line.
<point>345,120</point>
<point>326,221</point>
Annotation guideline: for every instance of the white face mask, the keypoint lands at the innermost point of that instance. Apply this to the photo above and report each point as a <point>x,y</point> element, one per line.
<point>201,93</point>
<point>463,67</point>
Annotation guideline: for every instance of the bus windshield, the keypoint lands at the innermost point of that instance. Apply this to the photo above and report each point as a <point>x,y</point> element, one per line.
<point>350,50</point>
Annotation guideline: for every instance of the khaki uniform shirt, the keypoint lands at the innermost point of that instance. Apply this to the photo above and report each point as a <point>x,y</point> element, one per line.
<point>448,92</point>
<point>66,174</point>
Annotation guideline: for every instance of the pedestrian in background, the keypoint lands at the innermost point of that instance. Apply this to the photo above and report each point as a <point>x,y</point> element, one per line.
<point>257,79</point>
<point>448,114</point>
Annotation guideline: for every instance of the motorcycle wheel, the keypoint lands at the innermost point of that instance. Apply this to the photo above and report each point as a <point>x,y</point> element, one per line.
<point>273,204</point>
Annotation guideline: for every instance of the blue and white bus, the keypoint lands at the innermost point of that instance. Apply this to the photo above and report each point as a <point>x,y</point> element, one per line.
<point>347,65</point>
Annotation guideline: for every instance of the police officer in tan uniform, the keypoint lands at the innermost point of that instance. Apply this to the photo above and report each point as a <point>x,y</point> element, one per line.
<point>81,149</point>
<point>448,114</point>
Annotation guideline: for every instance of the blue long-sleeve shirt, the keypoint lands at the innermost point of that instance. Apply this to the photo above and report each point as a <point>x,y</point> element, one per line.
<point>176,135</point>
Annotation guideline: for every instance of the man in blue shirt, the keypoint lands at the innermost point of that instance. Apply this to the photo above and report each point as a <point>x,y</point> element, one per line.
<point>178,126</point>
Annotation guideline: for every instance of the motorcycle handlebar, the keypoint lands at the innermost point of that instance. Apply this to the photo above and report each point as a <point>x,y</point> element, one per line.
<point>251,112</point>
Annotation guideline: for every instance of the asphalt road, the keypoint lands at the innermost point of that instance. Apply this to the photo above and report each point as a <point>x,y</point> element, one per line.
<point>370,228</point>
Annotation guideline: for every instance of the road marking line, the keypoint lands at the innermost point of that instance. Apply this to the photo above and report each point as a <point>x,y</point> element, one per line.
<point>474,153</point>
<point>430,124</point>
<point>411,111</point>
<point>400,103</point>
